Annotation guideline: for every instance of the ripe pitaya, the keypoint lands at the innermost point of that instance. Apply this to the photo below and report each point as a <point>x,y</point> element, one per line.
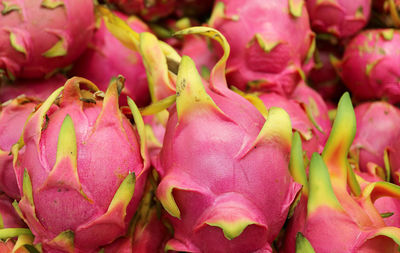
<point>39,37</point>
<point>341,18</point>
<point>148,10</point>
<point>375,119</point>
<point>323,77</point>
<point>13,115</point>
<point>36,88</point>
<point>394,158</point>
<point>369,67</point>
<point>80,168</point>
<point>223,166</point>
<point>271,42</point>
<point>8,215</point>
<point>106,57</point>
<point>350,222</point>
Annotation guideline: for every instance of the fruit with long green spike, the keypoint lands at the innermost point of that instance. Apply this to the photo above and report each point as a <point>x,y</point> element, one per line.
<point>272,43</point>
<point>106,57</point>
<point>13,115</point>
<point>330,209</point>
<point>223,165</point>
<point>81,168</point>
<point>341,18</point>
<point>369,65</point>
<point>39,37</point>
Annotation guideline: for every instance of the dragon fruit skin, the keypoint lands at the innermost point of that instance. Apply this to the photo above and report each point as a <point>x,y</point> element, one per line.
<point>210,213</point>
<point>369,65</point>
<point>40,37</point>
<point>394,159</point>
<point>148,10</point>
<point>106,57</point>
<point>298,117</point>
<point>340,17</point>
<point>323,77</point>
<point>13,115</point>
<point>9,216</point>
<point>74,199</point>
<point>263,56</point>
<point>375,119</point>
<point>36,88</point>
<point>316,109</point>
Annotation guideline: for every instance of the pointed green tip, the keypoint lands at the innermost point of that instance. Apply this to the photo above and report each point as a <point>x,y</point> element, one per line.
<point>232,229</point>
<point>303,245</point>
<point>320,187</point>
<point>296,163</point>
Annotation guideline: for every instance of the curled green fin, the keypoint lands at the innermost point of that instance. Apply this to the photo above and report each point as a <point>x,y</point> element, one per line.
<point>303,245</point>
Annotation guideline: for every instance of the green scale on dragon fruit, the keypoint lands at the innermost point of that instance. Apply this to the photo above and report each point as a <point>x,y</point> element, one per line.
<point>77,194</point>
<point>40,37</point>
<point>271,52</point>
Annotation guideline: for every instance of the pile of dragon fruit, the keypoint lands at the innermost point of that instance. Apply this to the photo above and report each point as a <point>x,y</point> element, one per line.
<point>204,126</point>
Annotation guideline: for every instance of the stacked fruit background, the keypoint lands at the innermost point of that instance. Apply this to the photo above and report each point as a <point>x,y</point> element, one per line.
<point>199,126</point>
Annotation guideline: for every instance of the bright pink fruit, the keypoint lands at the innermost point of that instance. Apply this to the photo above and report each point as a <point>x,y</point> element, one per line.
<point>271,42</point>
<point>369,65</point>
<point>39,37</point>
<point>375,119</point>
<point>9,216</point>
<point>223,165</point>
<point>81,168</point>
<point>341,18</point>
<point>37,88</point>
<point>106,57</point>
<point>13,116</point>
<point>394,158</point>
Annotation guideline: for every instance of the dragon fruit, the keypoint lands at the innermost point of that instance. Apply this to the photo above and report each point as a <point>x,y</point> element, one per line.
<point>36,88</point>
<point>106,57</point>
<point>323,77</point>
<point>8,215</point>
<point>369,65</point>
<point>148,10</point>
<point>13,115</point>
<point>385,13</point>
<point>205,174</point>
<point>394,160</point>
<point>375,119</point>
<point>330,209</point>
<point>38,37</point>
<point>77,194</point>
<point>269,52</point>
<point>341,18</point>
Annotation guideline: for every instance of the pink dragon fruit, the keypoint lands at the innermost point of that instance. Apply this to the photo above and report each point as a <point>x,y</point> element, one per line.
<point>81,168</point>
<point>369,65</point>
<point>269,51</point>
<point>37,88</point>
<point>13,115</point>
<point>327,211</point>
<point>375,119</point>
<point>148,10</point>
<point>341,18</point>
<point>8,215</point>
<point>323,77</point>
<point>39,37</point>
<point>206,173</point>
<point>106,57</point>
